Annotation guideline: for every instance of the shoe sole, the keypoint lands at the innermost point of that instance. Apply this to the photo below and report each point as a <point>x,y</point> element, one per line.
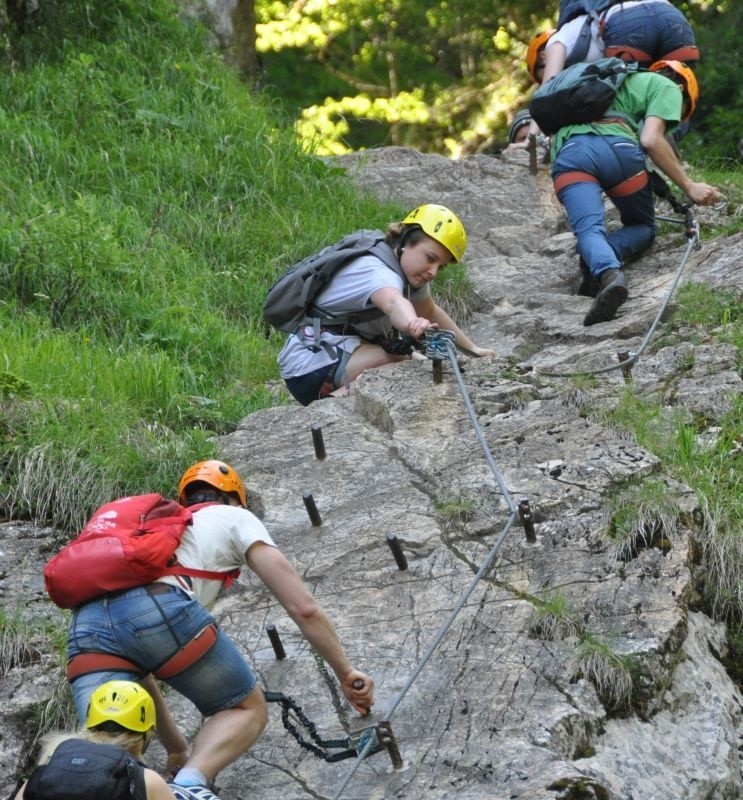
<point>606,304</point>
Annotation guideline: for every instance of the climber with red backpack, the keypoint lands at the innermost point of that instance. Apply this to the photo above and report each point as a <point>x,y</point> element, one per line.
<point>164,630</point>
<point>606,153</point>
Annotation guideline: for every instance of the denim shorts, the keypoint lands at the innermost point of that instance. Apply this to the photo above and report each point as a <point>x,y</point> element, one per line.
<point>147,629</point>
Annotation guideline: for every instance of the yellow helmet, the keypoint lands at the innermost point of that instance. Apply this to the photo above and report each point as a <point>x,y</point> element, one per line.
<point>687,77</point>
<point>536,45</point>
<point>217,474</point>
<point>442,225</point>
<point>124,702</point>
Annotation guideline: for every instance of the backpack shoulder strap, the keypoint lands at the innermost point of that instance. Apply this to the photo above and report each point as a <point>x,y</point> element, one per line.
<point>375,245</point>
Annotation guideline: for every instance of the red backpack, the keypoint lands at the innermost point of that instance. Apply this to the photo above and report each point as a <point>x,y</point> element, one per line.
<point>126,543</point>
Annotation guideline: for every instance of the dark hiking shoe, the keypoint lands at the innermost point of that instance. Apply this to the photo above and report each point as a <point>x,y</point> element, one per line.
<point>612,293</point>
<point>588,286</point>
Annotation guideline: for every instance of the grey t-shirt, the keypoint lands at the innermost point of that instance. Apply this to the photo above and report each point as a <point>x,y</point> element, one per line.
<point>349,291</point>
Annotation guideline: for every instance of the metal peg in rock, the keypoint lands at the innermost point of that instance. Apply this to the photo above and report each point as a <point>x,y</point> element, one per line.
<point>317,441</point>
<point>526,520</point>
<point>438,370</point>
<point>625,355</point>
<point>400,560</point>
<point>309,504</point>
<point>273,637</point>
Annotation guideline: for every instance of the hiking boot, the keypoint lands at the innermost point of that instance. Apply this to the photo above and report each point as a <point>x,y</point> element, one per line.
<point>588,286</point>
<point>192,792</point>
<point>612,293</point>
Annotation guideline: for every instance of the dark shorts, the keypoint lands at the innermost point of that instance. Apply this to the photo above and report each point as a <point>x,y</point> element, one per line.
<point>319,383</point>
<point>308,388</point>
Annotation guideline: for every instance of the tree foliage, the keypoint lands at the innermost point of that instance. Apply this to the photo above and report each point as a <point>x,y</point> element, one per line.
<point>446,76</point>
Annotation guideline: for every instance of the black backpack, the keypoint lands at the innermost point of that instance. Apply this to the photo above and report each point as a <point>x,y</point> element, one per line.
<point>289,302</point>
<point>581,93</point>
<point>79,769</point>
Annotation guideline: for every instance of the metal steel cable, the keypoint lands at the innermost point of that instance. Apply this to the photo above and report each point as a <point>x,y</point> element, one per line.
<point>437,345</point>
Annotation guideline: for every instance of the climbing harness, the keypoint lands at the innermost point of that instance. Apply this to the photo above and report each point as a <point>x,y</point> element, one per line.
<point>439,344</point>
<point>367,739</point>
<point>627,359</point>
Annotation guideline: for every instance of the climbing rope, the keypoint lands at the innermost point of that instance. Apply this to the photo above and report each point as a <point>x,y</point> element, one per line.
<point>440,344</point>
<point>692,234</point>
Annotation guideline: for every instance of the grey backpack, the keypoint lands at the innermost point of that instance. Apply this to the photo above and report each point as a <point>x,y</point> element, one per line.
<point>581,93</point>
<point>289,302</point>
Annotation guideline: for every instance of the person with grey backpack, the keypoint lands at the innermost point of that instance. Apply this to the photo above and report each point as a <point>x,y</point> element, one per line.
<point>367,308</point>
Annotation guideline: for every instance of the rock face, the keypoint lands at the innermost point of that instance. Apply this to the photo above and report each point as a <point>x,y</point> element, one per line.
<point>566,664</point>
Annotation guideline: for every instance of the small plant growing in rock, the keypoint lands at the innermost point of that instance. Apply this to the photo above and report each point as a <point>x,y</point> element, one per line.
<point>642,515</point>
<point>611,673</point>
<point>553,618</point>
<point>578,392</point>
<point>456,511</point>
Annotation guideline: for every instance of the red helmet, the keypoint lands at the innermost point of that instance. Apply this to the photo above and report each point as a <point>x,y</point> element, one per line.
<point>675,70</point>
<point>217,474</point>
<point>533,51</point>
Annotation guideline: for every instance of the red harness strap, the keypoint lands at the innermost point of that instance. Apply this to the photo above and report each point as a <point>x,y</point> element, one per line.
<point>623,189</point>
<point>687,53</point>
<point>627,53</point>
<point>190,653</point>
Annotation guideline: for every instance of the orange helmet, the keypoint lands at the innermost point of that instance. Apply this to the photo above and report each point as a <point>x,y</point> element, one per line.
<point>533,51</point>
<point>217,474</point>
<point>675,70</point>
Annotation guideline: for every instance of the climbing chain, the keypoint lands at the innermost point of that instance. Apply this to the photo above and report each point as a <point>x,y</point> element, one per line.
<point>692,234</point>
<point>349,746</point>
<point>440,345</point>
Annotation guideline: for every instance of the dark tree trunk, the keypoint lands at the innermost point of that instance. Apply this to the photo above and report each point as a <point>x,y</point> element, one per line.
<point>243,28</point>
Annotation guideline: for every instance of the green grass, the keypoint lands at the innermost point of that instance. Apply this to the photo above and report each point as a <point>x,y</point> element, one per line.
<point>554,618</point>
<point>710,464</point>
<point>612,674</point>
<point>642,515</point>
<point>150,200</point>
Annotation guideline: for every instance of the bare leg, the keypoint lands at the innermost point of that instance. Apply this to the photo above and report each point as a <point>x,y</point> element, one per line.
<point>365,356</point>
<point>369,356</point>
<point>228,734</point>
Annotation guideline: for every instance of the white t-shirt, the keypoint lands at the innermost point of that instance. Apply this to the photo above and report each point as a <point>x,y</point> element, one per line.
<point>568,36</point>
<point>350,291</point>
<point>218,539</point>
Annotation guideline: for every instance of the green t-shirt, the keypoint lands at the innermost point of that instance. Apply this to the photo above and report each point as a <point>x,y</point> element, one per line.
<point>642,94</point>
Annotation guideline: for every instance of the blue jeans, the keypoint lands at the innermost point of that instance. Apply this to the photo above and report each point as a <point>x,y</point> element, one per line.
<point>611,160</point>
<point>147,630</point>
<point>653,28</point>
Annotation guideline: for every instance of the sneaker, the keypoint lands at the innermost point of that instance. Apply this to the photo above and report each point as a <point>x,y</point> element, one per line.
<point>192,792</point>
<point>612,293</point>
<point>179,792</point>
<point>588,286</point>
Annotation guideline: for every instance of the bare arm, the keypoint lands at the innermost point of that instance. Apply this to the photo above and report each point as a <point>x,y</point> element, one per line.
<point>428,308</point>
<point>652,138</point>
<point>403,315</point>
<point>554,60</point>
<point>272,567</point>
<point>168,732</point>
<point>156,787</point>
